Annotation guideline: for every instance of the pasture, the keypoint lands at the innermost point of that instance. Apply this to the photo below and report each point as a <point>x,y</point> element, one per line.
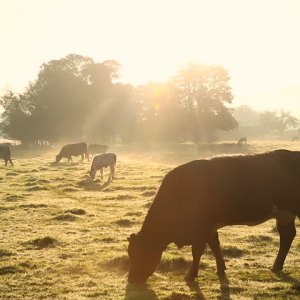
<point>64,236</point>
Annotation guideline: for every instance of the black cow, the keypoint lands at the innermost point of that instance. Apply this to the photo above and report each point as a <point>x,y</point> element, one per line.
<point>197,198</point>
<point>5,153</point>
<point>73,150</point>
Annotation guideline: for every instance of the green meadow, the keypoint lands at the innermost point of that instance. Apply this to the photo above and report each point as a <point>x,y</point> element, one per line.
<point>64,236</point>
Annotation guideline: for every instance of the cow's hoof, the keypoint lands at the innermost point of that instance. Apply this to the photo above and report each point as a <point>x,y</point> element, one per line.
<point>276,269</point>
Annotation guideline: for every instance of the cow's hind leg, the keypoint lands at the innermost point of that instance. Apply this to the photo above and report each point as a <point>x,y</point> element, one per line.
<point>287,233</point>
<point>214,245</point>
<point>197,251</point>
<point>11,162</point>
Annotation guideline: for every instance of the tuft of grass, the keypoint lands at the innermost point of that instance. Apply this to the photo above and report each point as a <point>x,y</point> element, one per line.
<point>5,252</point>
<point>174,264</point>
<point>117,264</point>
<point>108,240</point>
<point>70,189</point>
<point>65,217</point>
<point>12,173</point>
<point>178,296</point>
<point>12,197</point>
<point>233,251</point>
<point>76,211</point>
<point>259,238</point>
<point>124,222</point>
<point>149,193</point>
<point>9,270</point>
<point>32,205</point>
<point>37,188</point>
<point>41,243</point>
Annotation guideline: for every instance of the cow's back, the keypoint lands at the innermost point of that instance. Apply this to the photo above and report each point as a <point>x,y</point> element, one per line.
<point>229,190</point>
<point>74,149</point>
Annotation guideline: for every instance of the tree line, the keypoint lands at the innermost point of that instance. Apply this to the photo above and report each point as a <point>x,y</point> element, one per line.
<point>76,98</point>
<point>268,122</point>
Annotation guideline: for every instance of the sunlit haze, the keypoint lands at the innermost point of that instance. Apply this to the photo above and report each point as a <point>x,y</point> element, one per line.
<point>256,41</point>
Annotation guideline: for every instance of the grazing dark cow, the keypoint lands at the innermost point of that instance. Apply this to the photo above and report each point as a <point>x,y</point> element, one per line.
<point>97,149</point>
<point>101,161</point>
<point>197,198</point>
<point>73,150</point>
<point>242,140</point>
<point>5,153</point>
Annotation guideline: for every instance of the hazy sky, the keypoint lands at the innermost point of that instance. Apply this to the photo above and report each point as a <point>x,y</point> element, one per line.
<point>257,41</point>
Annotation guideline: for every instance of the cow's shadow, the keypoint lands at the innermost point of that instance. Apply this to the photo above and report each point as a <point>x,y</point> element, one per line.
<point>287,278</point>
<point>144,292</point>
<point>224,289</point>
<point>92,185</point>
<point>139,292</point>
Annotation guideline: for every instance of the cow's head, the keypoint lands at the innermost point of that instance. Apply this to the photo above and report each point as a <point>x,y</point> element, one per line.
<point>92,173</point>
<point>57,158</point>
<point>143,259</point>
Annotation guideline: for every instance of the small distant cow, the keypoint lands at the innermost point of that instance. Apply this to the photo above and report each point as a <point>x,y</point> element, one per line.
<point>101,161</point>
<point>97,149</point>
<point>70,150</point>
<point>242,140</point>
<point>5,153</point>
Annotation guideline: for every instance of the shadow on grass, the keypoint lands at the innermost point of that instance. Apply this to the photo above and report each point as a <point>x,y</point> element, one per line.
<point>90,185</point>
<point>139,292</point>
<point>294,282</point>
<point>224,289</point>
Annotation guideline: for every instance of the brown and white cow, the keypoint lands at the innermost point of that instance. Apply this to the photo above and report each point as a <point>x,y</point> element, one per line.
<point>197,198</point>
<point>101,161</point>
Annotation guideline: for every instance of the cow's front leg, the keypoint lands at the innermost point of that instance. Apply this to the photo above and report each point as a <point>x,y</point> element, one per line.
<point>101,173</point>
<point>214,245</point>
<point>112,173</point>
<point>287,233</point>
<point>197,251</point>
<point>69,158</point>
<point>82,157</point>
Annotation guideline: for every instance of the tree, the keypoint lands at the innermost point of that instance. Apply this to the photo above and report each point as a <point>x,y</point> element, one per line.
<point>204,91</point>
<point>277,122</point>
<point>245,115</point>
<point>16,118</point>
<point>59,103</point>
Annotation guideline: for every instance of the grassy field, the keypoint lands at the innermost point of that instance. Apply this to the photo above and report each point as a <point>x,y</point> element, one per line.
<point>63,236</point>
